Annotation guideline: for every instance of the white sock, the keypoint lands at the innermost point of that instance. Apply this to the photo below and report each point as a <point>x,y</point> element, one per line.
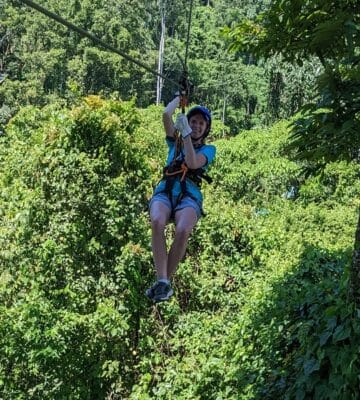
<point>164,280</point>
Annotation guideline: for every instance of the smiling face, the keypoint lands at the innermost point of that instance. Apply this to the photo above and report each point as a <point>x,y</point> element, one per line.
<point>198,124</point>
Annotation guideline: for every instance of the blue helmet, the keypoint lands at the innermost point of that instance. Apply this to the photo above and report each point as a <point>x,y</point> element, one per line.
<point>204,112</point>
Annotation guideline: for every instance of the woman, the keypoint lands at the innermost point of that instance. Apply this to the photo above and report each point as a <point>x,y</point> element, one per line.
<point>178,196</point>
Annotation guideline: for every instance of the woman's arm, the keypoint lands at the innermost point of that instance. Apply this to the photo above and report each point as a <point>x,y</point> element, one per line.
<point>193,160</point>
<point>167,117</point>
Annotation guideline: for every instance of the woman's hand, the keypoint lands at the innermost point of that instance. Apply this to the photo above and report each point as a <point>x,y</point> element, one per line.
<point>172,106</point>
<point>182,125</point>
<point>167,116</point>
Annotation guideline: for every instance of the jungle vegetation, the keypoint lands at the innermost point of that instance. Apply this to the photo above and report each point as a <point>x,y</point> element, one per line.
<point>267,299</point>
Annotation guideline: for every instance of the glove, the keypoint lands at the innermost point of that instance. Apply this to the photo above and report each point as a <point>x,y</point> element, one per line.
<point>182,125</point>
<point>172,106</point>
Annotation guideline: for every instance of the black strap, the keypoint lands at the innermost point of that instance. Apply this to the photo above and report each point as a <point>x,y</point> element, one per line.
<point>195,176</point>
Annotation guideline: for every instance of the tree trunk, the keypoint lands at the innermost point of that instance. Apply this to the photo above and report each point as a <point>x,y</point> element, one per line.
<point>160,81</point>
<point>224,109</point>
<point>355,269</point>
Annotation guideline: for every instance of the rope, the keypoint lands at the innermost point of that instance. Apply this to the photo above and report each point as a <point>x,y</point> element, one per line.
<point>95,39</point>
<point>184,82</point>
<point>188,37</point>
<point>183,171</point>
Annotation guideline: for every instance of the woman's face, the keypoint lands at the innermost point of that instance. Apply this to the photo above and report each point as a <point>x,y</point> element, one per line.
<point>198,125</point>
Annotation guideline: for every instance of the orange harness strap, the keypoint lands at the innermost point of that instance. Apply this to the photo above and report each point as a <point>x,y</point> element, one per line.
<point>183,170</point>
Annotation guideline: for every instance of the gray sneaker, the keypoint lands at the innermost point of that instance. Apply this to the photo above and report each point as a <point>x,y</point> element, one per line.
<point>150,293</point>
<point>160,291</point>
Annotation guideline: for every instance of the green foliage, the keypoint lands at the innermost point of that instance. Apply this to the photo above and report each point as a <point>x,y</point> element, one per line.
<point>329,133</point>
<point>51,58</point>
<point>325,130</point>
<point>260,310</point>
<point>299,29</point>
<point>251,168</point>
<point>45,63</point>
<point>73,250</point>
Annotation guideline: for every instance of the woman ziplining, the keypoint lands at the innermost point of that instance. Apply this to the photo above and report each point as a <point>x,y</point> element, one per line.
<point>178,197</point>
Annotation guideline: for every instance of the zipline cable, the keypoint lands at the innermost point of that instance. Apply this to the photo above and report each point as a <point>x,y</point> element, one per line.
<point>184,82</point>
<point>188,36</point>
<point>95,39</point>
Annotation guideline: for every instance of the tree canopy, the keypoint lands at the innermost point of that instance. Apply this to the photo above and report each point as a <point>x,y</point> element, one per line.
<point>262,307</point>
<point>328,128</point>
<point>44,61</point>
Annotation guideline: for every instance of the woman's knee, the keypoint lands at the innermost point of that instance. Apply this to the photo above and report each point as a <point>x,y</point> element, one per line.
<point>183,231</point>
<point>159,216</point>
<point>185,221</point>
<point>158,222</point>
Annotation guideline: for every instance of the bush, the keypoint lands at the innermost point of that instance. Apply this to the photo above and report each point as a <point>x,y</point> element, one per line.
<point>74,250</point>
<point>260,308</point>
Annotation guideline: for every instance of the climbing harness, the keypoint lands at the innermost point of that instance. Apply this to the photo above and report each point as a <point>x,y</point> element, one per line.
<point>180,171</point>
<point>177,170</point>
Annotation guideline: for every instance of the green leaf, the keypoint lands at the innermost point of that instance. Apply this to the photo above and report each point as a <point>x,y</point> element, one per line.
<point>341,332</point>
<point>324,337</point>
<point>310,366</point>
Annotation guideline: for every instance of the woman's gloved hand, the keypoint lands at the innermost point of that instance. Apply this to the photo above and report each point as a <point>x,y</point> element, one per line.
<point>173,105</point>
<point>182,125</point>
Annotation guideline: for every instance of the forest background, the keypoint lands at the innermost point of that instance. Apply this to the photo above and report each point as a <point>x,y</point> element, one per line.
<point>262,307</point>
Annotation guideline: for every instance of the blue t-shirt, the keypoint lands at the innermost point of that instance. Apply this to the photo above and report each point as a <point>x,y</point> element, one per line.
<point>207,150</point>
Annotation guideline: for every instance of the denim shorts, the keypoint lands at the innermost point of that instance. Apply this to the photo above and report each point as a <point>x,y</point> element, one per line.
<point>185,202</point>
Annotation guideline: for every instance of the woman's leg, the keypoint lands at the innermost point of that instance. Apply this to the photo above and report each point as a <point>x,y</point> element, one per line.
<point>185,220</point>
<point>159,215</point>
